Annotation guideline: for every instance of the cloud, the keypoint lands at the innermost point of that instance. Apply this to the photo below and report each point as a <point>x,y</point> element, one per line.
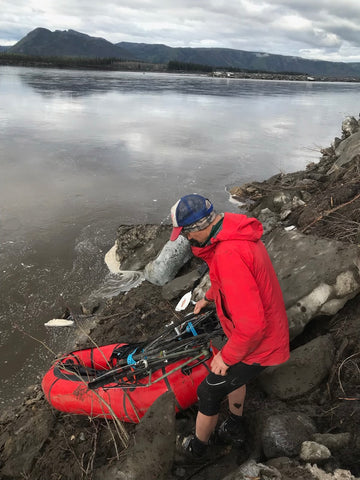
<point>328,29</point>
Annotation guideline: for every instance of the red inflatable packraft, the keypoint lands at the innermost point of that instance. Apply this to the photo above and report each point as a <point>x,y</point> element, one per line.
<point>68,391</point>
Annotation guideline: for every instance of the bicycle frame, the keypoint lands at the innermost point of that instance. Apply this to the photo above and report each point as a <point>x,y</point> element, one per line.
<point>166,348</point>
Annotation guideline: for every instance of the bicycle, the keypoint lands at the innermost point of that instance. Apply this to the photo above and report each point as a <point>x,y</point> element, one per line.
<point>187,339</point>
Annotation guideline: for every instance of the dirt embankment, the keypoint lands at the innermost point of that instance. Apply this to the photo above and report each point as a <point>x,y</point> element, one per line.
<point>37,442</point>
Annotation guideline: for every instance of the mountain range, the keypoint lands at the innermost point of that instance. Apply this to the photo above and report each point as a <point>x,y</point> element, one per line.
<point>43,42</point>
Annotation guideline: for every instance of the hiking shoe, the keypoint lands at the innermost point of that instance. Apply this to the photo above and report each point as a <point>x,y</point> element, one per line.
<point>190,450</point>
<point>232,430</point>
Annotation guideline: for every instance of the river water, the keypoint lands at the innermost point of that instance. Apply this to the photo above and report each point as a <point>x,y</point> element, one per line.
<point>83,152</point>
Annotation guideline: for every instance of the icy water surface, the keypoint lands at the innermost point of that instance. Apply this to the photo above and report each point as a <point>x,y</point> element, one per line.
<point>83,152</point>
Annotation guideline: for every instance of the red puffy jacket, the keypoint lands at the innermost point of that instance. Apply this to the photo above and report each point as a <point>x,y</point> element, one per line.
<point>247,293</point>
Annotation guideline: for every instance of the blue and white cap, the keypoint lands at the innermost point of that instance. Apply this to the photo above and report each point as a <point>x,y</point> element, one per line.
<point>191,213</point>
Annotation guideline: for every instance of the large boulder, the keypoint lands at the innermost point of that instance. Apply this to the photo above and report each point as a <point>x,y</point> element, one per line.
<point>317,275</point>
<point>347,151</point>
<point>138,245</point>
<point>333,441</point>
<point>177,287</point>
<point>306,369</point>
<point>152,452</point>
<point>283,435</point>
<point>22,442</point>
<point>166,265</point>
<point>147,248</point>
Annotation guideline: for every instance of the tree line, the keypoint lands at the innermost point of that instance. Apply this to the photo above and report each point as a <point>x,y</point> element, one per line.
<point>176,66</point>
<point>57,61</point>
<point>113,63</point>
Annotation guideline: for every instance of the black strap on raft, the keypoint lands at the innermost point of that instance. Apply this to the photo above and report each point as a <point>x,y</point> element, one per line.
<point>123,352</point>
<point>73,371</point>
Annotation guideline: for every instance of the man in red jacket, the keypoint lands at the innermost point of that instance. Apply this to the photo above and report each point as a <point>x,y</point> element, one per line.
<point>249,305</point>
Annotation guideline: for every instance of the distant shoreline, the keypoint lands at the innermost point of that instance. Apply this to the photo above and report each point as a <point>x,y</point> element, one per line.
<point>135,66</point>
<point>285,77</point>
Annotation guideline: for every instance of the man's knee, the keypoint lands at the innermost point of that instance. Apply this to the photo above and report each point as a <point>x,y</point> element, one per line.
<point>210,397</point>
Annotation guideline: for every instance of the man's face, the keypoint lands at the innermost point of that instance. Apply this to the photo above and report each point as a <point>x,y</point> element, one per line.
<point>198,237</point>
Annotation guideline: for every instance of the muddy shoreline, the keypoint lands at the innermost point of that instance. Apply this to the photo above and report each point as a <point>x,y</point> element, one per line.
<point>37,442</point>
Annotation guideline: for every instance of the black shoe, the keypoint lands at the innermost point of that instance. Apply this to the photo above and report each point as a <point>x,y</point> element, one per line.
<point>190,450</point>
<point>232,430</point>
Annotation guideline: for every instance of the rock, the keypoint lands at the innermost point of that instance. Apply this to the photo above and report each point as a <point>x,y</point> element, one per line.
<point>347,151</point>
<point>317,275</point>
<point>166,265</point>
<point>280,199</point>
<point>310,183</point>
<point>268,219</point>
<point>333,441</point>
<point>285,214</point>
<point>202,288</point>
<point>253,470</point>
<point>314,452</point>
<point>338,474</point>
<point>319,177</point>
<point>327,152</point>
<point>239,194</point>
<point>138,245</point>
<point>289,468</point>
<point>349,126</point>
<point>180,285</point>
<point>90,305</point>
<point>284,434</point>
<point>297,202</point>
<point>280,462</point>
<point>111,260</point>
<point>306,196</point>
<point>151,455</point>
<point>337,142</point>
<point>22,446</point>
<point>306,369</point>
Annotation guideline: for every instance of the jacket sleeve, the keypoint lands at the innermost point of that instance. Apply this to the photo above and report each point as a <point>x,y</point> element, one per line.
<point>242,301</point>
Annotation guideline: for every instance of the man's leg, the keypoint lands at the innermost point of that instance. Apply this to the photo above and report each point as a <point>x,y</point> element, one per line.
<point>236,400</point>
<point>212,390</point>
<point>210,393</point>
<point>232,429</point>
<point>205,425</point>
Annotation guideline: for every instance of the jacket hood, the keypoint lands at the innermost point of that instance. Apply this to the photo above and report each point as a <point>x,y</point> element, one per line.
<point>239,227</point>
<point>235,227</point>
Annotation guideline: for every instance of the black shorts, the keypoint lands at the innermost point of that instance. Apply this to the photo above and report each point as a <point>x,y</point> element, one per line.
<point>215,388</point>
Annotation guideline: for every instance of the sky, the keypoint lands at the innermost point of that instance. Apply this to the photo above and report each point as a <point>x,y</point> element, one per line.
<point>315,29</point>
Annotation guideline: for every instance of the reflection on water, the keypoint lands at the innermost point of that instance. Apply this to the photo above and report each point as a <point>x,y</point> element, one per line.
<point>72,83</point>
<point>83,152</point>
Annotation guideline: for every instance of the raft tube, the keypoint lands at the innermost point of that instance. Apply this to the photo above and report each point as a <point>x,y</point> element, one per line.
<point>68,392</point>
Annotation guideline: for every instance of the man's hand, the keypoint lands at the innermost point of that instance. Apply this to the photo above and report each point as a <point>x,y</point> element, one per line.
<point>200,305</point>
<point>218,366</point>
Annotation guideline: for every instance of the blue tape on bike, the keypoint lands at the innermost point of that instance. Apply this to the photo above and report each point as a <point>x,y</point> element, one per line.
<point>190,328</point>
<point>130,360</point>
